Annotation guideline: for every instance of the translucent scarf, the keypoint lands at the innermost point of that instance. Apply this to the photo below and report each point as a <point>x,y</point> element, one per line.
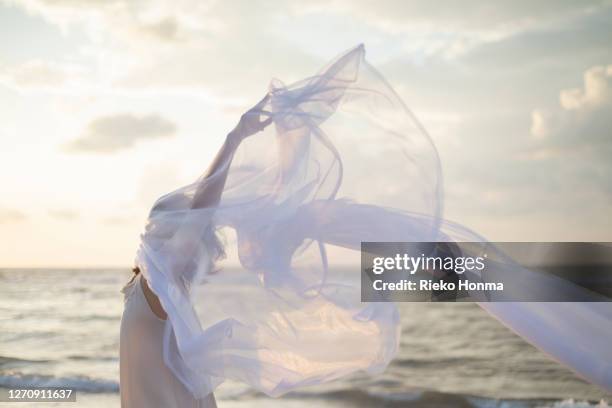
<point>343,161</point>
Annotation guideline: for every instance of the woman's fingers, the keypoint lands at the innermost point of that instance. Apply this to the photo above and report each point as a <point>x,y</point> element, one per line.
<point>251,121</point>
<point>265,123</point>
<point>261,103</point>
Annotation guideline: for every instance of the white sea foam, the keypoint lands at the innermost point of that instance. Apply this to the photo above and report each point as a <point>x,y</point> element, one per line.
<point>571,403</point>
<point>79,383</point>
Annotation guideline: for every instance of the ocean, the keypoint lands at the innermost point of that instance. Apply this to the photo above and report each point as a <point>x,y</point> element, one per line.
<point>61,328</point>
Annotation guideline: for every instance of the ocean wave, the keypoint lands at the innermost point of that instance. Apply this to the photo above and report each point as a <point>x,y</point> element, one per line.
<point>353,397</point>
<point>79,357</point>
<point>91,317</point>
<point>78,383</point>
<point>571,403</point>
<point>14,360</point>
<point>417,399</point>
<point>428,399</point>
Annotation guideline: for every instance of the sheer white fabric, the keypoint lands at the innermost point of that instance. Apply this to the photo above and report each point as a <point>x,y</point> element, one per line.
<point>344,161</point>
<point>576,334</point>
<point>289,191</point>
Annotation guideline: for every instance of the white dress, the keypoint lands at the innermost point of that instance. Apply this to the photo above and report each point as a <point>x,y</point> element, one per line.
<point>145,381</point>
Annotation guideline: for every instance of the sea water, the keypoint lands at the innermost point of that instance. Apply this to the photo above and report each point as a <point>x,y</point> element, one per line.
<point>60,328</point>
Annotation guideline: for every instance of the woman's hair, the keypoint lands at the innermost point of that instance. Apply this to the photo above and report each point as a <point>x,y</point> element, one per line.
<point>136,271</point>
<point>216,250</point>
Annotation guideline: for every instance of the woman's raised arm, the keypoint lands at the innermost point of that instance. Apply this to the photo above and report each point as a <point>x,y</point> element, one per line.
<point>208,193</point>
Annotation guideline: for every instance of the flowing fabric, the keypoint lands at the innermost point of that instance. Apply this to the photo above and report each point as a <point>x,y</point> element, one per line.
<point>344,161</point>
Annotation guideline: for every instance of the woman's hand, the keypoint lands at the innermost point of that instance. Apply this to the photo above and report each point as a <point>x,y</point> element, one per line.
<point>251,122</point>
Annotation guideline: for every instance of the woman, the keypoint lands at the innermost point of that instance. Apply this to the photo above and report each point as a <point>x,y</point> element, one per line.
<point>292,318</point>
<point>345,162</point>
<point>145,380</point>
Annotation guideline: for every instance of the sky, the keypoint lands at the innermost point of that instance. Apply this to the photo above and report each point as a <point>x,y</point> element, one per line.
<point>107,104</point>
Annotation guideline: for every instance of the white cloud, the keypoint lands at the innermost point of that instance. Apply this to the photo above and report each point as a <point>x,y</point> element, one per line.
<point>108,134</point>
<point>11,215</point>
<point>597,90</point>
<point>573,141</point>
<point>538,124</point>
<point>230,48</point>
<point>64,214</point>
<point>166,29</point>
<point>400,15</point>
<point>37,74</point>
<point>582,120</point>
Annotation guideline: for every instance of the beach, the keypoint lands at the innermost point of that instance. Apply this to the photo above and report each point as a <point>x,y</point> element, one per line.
<point>61,328</point>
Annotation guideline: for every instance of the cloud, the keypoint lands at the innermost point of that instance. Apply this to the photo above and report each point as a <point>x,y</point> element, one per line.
<point>36,74</point>
<point>156,20</point>
<point>229,48</point>
<point>109,134</point>
<point>11,215</point>
<point>64,214</point>
<point>401,15</point>
<point>597,90</point>
<point>166,29</point>
<point>553,164</point>
<point>582,120</point>
<point>118,220</point>
<point>449,29</point>
<point>219,46</point>
<point>206,24</point>
<point>392,14</point>
<point>572,142</point>
<point>538,124</point>
<point>576,39</point>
